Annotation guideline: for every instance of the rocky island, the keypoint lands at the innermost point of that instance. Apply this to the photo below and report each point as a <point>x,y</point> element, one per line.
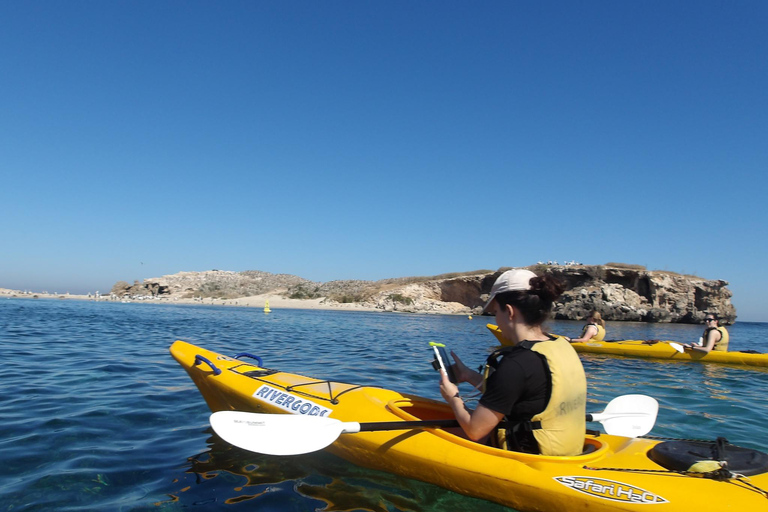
<point>618,291</point>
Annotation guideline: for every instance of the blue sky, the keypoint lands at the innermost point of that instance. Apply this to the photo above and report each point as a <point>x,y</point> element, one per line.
<point>366,140</point>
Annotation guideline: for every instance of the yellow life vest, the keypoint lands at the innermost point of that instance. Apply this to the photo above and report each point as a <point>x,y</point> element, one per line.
<point>600,336</point>
<point>722,344</point>
<point>563,421</point>
<point>559,428</point>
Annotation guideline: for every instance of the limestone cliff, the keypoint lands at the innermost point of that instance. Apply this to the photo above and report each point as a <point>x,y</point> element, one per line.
<point>635,294</point>
<point>617,291</point>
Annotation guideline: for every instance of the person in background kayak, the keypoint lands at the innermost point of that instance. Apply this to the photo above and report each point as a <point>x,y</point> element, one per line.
<point>715,337</point>
<point>593,331</point>
<point>535,381</point>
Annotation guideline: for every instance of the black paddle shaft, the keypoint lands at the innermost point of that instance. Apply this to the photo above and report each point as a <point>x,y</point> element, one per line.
<point>404,425</point>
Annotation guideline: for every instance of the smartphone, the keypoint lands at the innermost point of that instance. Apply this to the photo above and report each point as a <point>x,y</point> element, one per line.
<point>441,361</point>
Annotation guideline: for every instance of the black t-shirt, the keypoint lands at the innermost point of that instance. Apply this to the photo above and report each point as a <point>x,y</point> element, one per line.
<point>520,387</point>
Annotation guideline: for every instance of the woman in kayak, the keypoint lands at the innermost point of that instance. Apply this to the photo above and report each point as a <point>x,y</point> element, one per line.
<point>535,381</point>
<point>715,337</point>
<point>593,331</point>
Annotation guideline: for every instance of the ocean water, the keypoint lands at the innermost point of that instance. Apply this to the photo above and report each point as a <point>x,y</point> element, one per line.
<point>96,415</point>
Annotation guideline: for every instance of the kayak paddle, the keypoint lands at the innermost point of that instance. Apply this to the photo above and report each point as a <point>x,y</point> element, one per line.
<point>291,434</point>
<point>677,346</point>
<point>628,415</point>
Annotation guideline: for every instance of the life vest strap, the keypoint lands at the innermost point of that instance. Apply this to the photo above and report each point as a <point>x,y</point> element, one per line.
<point>525,426</point>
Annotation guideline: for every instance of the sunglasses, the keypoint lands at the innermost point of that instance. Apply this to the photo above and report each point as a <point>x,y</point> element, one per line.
<point>709,319</point>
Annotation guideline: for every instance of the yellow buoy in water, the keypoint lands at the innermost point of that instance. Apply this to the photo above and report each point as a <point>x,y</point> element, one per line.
<point>266,306</point>
<point>470,317</point>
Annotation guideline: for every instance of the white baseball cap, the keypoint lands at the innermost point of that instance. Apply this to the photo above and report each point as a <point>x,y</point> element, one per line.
<point>515,280</point>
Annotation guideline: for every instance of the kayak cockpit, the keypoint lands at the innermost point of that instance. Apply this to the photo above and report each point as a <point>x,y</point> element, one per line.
<point>414,408</point>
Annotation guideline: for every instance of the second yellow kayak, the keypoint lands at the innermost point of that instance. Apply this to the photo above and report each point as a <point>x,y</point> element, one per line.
<point>658,349</point>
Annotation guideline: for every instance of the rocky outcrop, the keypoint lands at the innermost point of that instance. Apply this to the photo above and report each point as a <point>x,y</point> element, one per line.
<point>211,283</point>
<point>146,289</point>
<point>636,294</point>
<point>463,294</point>
<point>617,291</point>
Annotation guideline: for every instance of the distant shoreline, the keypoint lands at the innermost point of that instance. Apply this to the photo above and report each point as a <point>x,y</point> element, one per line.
<point>256,301</point>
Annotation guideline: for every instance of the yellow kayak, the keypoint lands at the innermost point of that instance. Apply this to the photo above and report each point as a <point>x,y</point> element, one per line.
<point>659,349</point>
<point>613,473</point>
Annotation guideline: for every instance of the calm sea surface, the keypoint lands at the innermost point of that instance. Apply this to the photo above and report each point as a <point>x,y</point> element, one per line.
<point>96,415</point>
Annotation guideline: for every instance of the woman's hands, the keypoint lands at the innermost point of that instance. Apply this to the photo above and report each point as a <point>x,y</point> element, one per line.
<point>460,370</point>
<point>464,374</point>
<point>447,388</point>
<point>478,423</point>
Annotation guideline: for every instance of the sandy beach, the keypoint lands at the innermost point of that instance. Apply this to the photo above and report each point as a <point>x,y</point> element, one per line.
<point>278,302</point>
<point>256,301</point>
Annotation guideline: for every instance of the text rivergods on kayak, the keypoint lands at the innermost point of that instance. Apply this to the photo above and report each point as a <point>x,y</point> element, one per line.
<point>609,489</point>
<point>289,402</point>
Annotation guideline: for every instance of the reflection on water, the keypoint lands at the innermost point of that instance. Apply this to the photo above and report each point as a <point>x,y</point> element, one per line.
<point>714,381</point>
<point>318,481</point>
<point>98,416</point>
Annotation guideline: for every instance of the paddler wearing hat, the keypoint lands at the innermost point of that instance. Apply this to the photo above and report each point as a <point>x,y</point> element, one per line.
<point>535,382</point>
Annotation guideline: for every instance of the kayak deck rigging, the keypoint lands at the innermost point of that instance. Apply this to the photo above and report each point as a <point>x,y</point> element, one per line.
<point>259,374</point>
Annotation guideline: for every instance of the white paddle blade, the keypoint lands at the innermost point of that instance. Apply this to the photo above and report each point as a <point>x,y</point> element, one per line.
<point>677,346</point>
<point>629,415</point>
<point>276,434</point>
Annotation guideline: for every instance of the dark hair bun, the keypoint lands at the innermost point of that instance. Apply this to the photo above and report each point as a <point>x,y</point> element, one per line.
<point>547,287</point>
